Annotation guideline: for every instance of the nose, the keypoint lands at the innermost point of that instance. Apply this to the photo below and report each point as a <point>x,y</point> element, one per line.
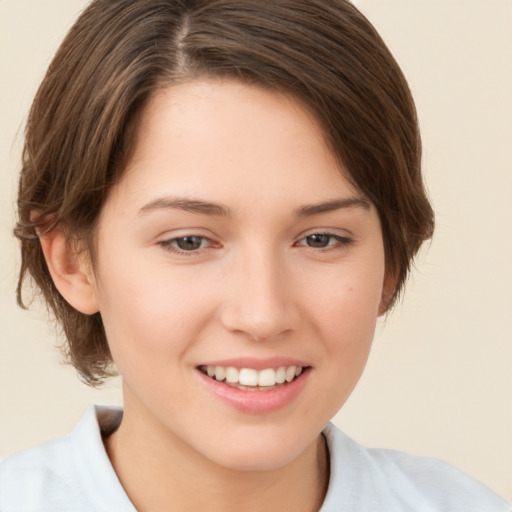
<point>260,303</point>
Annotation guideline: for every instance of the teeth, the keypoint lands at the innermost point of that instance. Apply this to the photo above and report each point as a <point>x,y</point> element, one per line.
<point>290,373</point>
<point>267,377</point>
<point>281,375</point>
<point>220,373</point>
<point>232,375</point>
<point>249,377</point>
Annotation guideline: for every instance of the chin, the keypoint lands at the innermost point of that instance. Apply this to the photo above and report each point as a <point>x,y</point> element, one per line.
<point>260,454</point>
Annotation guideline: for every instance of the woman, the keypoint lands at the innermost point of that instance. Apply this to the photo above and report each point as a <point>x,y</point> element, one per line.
<point>220,198</point>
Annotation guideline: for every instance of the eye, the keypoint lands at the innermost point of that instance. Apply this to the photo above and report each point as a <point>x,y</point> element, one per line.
<point>319,240</point>
<point>190,243</point>
<point>184,244</point>
<point>324,240</point>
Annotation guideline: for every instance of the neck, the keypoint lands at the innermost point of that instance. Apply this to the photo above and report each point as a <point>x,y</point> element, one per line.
<point>158,472</point>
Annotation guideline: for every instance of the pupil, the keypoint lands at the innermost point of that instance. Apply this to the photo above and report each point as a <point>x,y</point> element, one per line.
<point>318,240</point>
<point>189,243</point>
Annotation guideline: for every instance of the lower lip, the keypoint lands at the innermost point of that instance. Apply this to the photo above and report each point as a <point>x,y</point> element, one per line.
<point>256,402</point>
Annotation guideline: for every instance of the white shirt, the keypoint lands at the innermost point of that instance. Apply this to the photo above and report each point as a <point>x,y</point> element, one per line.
<point>74,474</point>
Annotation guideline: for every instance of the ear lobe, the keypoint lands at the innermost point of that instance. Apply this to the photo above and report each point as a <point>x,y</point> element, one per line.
<point>70,270</point>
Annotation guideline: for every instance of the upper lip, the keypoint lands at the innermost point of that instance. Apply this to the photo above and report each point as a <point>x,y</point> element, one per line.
<point>256,363</point>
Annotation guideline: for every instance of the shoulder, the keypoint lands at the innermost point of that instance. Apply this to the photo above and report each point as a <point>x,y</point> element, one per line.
<point>375,480</point>
<point>44,474</point>
<point>72,473</point>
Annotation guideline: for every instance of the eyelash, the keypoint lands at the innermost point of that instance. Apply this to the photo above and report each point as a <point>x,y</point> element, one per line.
<point>171,244</point>
<point>339,241</point>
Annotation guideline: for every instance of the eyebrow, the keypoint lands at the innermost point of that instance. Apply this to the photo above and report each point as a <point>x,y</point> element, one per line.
<point>207,208</point>
<point>188,205</point>
<point>335,204</point>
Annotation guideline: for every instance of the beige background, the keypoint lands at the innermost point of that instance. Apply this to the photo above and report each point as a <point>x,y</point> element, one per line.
<point>439,381</point>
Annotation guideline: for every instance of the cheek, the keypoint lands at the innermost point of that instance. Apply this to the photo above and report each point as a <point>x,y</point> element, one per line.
<point>150,312</point>
<point>348,302</point>
<point>345,319</point>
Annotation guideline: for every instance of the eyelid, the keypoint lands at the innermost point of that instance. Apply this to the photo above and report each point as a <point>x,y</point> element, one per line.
<point>336,232</point>
<point>342,239</point>
<point>168,243</point>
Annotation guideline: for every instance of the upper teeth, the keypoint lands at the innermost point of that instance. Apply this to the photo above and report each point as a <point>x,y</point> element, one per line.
<point>251,377</point>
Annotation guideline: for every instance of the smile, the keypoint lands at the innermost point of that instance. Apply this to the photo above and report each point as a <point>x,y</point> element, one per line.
<point>249,379</point>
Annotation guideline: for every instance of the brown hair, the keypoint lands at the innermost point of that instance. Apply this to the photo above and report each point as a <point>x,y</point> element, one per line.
<point>81,123</point>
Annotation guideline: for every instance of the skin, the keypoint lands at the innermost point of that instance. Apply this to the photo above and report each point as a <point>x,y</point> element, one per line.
<point>254,288</point>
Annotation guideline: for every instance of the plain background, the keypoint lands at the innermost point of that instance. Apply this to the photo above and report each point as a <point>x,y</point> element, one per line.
<point>439,380</point>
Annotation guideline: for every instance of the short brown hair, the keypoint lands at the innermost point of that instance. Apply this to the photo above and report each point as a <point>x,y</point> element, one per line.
<point>325,54</point>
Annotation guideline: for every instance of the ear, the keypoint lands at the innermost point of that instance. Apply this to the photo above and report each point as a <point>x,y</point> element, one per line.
<point>388,291</point>
<point>71,270</point>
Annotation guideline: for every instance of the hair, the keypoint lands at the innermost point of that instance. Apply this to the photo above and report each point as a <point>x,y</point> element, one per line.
<point>82,122</point>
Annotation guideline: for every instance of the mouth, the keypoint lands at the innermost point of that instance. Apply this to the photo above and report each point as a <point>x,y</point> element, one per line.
<point>250,379</point>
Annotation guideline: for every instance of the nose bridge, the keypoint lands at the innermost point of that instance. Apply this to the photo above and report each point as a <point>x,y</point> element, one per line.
<point>260,303</point>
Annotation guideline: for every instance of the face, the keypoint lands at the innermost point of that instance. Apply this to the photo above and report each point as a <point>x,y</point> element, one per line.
<point>234,255</point>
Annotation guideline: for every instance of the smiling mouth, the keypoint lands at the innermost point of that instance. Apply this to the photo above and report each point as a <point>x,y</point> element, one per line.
<point>249,379</point>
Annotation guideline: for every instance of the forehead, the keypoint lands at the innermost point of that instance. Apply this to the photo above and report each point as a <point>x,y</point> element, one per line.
<point>233,143</point>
